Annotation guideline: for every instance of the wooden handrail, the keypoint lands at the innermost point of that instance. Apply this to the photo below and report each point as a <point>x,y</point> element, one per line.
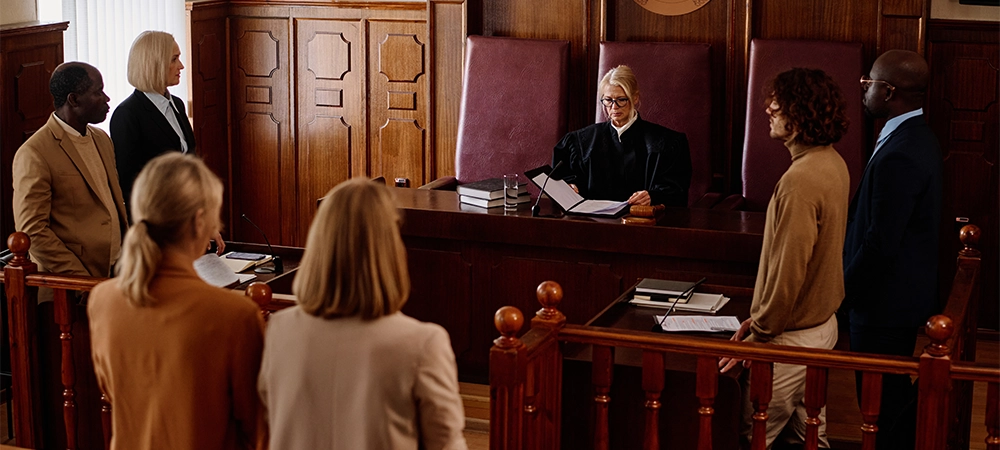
<point>21,281</point>
<point>939,367</point>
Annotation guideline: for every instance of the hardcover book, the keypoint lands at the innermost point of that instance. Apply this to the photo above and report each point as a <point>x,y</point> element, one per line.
<point>489,189</point>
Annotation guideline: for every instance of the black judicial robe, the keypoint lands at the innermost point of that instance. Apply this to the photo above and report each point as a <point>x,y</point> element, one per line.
<point>649,157</point>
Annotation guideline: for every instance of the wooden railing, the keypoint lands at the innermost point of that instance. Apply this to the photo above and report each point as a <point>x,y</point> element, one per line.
<point>526,374</point>
<point>33,424</point>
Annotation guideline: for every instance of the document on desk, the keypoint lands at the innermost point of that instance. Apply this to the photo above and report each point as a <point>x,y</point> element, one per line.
<point>569,200</point>
<point>709,324</point>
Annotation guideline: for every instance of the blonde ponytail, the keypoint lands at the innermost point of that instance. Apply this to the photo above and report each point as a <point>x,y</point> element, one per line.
<point>166,197</point>
<point>140,257</point>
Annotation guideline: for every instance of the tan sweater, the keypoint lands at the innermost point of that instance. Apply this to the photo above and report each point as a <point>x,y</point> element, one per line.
<point>181,373</point>
<point>800,280</point>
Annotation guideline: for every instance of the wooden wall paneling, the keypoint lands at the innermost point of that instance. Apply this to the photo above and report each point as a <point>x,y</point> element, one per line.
<point>711,24</point>
<point>262,159</point>
<point>446,32</point>
<point>208,50</point>
<point>564,20</point>
<point>397,99</point>
<point>330,92</point>
<point>963,108</point>
<point>441,290</point>
<point>28,55</point>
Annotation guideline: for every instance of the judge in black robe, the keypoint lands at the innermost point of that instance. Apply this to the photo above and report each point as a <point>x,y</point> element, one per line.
<point>646,157</point>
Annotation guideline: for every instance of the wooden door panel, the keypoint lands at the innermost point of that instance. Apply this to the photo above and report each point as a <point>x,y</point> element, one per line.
<point>262,161</point>
<point>397,99</point>
<point>330,82</point>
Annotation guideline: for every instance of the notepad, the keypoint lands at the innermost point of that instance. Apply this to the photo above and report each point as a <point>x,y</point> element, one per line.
<point>239,265</point>
<point>699,302</point>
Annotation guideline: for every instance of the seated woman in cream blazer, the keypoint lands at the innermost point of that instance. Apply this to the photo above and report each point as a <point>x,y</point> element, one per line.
<point>345,369</point>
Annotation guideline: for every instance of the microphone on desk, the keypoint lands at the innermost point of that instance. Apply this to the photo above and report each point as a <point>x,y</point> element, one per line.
<point>685,295</point>
<point>535,210</point>
<point>275,259</point>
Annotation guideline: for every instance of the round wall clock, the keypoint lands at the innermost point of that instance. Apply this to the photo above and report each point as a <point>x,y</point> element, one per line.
<point>671,7</point>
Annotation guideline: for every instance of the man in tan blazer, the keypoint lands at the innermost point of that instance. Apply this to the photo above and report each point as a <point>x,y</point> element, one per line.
<point>66,193</point>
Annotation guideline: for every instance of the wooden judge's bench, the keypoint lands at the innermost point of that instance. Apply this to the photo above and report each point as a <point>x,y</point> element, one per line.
<point>466,262</point>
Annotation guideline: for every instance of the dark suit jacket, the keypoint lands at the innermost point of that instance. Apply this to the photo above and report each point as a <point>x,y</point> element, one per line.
<point>141,133</point>
<point>891,247</point>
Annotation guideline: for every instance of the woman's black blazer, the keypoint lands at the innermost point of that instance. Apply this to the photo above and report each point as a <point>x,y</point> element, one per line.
<point>141,133</point>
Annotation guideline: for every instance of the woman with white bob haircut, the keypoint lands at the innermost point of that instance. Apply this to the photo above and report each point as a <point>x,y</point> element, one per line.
<point>176,357</point>
<point>345,368</point>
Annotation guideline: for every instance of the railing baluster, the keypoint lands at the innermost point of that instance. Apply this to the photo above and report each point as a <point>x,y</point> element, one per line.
<point>815,400</point>
<point>106,421</point>
<point>652,383</point>
<point>64,317</point>
<point>993,416</point>
<point>531,425</point>
<point>506,390</point>
<point>871,402</point>
<point>26,382</point>
<point>707,388</point>
<point>761,383</point>
<point>603,366</point>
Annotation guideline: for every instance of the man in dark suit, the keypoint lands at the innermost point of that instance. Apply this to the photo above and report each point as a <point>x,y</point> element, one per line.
<point>890,251</point>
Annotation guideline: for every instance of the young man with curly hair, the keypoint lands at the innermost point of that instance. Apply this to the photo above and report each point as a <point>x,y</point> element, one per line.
<point>800,280</point>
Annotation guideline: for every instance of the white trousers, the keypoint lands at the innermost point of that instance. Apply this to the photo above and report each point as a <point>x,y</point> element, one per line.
<point>787,405</point>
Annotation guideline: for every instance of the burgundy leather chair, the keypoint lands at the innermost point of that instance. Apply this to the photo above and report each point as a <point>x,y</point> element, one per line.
<point>765,159</point>
<point>514,107</point>
<point>675,85</point>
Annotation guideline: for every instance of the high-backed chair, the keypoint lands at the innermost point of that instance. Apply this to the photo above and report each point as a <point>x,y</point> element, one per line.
<point>514,107</point>
<point>675,85</point>
<point>766,159</point>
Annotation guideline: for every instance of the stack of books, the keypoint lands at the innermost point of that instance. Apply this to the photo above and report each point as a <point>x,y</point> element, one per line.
<point>665,293</point>
<point>488,193</point>
<point>664,290</point>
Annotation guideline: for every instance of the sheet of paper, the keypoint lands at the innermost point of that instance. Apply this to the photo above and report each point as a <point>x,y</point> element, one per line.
<point>598,207</point>
<point>213,270</point>
<point>559,191</point>
<point>699,323</point>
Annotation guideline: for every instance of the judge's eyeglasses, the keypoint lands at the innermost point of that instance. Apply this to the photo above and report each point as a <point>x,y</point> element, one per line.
<point>620,101</point>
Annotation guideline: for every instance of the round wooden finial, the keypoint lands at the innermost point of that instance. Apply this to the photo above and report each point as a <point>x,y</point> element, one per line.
<point>939,328</point>
<point>508,321</point>
<point>260,293</point>
<point>549,294</point>
<point>969,235</point>
<point>19,243</point>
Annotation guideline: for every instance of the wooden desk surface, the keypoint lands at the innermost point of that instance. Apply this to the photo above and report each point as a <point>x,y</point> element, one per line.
<point>466,262</point>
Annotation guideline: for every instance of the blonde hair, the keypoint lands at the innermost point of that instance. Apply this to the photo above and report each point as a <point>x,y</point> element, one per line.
<point>166,198</point>
<point>354,263</point>
<point>149,59</point>
<point>622,77</point>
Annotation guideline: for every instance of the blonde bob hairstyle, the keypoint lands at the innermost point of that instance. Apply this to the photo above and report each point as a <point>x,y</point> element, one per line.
<point>354,263</point>
<point>148,61</point>
<point>622,77</point>
<point>166,198</point>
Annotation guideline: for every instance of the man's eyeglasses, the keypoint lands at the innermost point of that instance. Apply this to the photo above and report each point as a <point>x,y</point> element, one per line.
<point>867,83</point>
<point>620,101</point>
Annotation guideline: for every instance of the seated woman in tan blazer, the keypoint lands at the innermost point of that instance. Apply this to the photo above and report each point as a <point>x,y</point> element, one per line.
<point>177,358</point>
<point>345,369</point>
